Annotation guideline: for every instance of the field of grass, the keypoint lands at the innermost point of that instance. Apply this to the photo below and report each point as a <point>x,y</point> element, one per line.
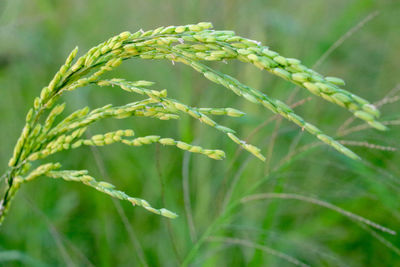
<point>57,223</point>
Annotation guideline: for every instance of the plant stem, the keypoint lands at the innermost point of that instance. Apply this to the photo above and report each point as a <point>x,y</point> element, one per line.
<point>9,194</point>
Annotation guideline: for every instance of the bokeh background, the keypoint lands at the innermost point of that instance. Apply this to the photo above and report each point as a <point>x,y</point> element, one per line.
<point>56,223</point>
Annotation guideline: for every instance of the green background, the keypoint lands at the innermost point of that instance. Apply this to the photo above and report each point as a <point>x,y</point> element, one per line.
<point>56,223</point>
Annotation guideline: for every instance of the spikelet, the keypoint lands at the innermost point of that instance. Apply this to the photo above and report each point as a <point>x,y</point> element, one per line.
<point>172,104</point>
<point>107,188</point>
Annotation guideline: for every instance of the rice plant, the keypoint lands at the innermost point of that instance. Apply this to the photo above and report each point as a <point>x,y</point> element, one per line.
<point>47,131</point>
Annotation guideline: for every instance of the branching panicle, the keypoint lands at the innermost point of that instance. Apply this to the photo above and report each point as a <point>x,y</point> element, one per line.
<point>189,44</point>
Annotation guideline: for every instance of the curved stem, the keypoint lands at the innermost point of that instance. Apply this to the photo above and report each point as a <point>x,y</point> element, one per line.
<point>9,194</point>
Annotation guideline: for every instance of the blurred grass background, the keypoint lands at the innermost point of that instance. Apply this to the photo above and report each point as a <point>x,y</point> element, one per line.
<point>55,223</point>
